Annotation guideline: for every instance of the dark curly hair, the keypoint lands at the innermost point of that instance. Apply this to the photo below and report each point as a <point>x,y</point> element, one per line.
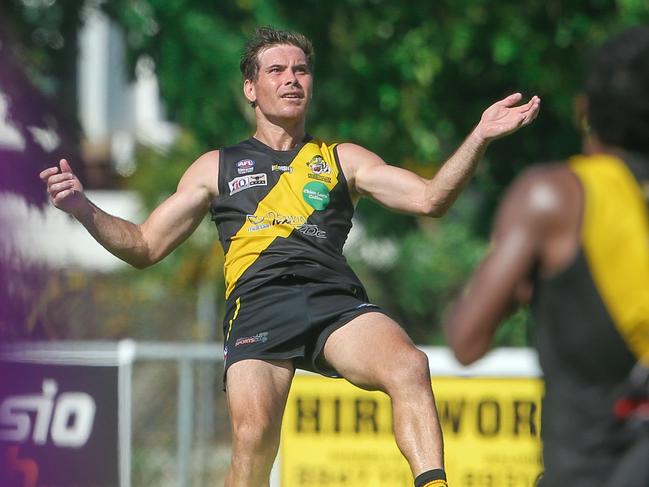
<point>268,36</point>
<point>617,88</point>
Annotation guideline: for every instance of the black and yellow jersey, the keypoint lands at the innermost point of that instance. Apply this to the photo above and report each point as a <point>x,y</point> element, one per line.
<point>282,212</point>
<point>592,323</point>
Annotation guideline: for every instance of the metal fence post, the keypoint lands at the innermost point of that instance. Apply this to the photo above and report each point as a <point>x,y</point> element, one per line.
<point>185,423</point>
<point>126,355</point>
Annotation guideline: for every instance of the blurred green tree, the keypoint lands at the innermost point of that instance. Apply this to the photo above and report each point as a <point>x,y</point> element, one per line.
<point>406,80</point>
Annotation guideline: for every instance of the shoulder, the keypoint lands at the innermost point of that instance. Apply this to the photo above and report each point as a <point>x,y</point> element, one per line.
<point>203,173</point>
<point>544,187</point>
<point>542,196</point>
<point>353,152</point>
<point>354,157</point>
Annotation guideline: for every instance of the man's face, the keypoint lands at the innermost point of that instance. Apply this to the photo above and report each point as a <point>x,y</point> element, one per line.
<point>283,86</point>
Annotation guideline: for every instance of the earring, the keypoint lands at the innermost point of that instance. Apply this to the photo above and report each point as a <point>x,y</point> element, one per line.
<point>585,126</point>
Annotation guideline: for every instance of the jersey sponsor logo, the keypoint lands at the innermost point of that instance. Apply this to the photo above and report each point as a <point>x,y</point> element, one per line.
<point>316,194</point>
<point>258,338</point>
<point>246,182</point>
<point>245,166</point>
<point>272,218</point>
<point>311,230</point>
<point>319,169</point>
<point>281,168</point>
<point>67,420</point>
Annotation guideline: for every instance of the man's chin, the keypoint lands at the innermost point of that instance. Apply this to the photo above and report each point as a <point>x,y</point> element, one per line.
<point>293,114</point>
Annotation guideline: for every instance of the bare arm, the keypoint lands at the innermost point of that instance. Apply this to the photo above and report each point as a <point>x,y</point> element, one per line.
<point>404,191</point>
<point>536,225</point>
<point>140,245</point>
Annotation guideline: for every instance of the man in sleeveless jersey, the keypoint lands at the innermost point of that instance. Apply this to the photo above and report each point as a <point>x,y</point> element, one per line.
<point>574,237</point>
<point>283,201</point>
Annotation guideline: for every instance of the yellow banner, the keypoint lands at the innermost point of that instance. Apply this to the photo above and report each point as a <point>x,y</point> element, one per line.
<point>335,434</point>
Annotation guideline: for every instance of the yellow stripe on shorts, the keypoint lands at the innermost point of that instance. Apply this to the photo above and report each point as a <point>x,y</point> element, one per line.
<point>237,305</point>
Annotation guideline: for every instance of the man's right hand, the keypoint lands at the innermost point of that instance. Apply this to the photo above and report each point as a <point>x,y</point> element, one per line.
<point>64,188</point>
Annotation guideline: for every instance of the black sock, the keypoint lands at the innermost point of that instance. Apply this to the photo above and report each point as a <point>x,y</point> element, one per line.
<point>430,475</point>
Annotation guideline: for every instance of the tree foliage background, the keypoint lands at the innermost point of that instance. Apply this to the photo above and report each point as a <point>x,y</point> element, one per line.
<point>407,80</point>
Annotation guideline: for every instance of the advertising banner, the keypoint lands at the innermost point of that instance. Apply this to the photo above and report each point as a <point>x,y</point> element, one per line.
<point>58,425</point>
<point>335,434</point>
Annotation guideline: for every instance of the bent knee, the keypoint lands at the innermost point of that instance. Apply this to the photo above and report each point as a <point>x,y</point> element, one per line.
<point>256,435</point>
<point>411,372</point>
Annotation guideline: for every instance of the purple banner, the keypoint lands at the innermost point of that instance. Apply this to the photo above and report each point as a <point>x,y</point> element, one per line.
<point>58,425</point>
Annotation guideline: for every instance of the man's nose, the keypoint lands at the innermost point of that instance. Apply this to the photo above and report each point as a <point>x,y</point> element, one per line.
<point>290,79</point>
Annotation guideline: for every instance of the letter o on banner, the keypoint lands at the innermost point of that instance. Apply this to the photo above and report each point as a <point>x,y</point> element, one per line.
<point>73,419</point>
<point>488,417</point>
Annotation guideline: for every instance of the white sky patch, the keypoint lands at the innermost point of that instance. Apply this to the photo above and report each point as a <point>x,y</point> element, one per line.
<point>47,138</point>
<point>51,236</point>
<point>10,136</point>
<point>377,253</point>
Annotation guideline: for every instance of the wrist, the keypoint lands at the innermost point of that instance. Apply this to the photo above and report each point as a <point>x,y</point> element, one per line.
<point>478,139</point>
<point>83,209</point>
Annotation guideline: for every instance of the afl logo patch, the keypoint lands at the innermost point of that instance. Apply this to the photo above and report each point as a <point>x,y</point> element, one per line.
<point>245,166</point>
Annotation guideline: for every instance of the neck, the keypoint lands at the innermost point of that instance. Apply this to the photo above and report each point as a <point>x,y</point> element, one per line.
<point>592,145</point>
<point>280,135</point>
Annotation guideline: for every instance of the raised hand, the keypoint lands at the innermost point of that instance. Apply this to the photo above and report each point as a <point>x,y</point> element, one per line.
<point>64,188</point>
<point>504,117</point>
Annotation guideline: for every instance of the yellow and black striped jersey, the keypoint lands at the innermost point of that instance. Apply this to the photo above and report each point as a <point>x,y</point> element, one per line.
<point>282,212</point>
<point>592,323</point>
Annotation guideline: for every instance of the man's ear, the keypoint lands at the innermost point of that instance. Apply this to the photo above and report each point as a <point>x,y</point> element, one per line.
<point>249,91</point>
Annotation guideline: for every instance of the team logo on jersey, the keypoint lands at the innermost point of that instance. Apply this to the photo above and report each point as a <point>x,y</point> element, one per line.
<point>319,169</point>
<point>312,231</point>
<point>246,182</point>
<point>245,166</point>
<point>281,168</point>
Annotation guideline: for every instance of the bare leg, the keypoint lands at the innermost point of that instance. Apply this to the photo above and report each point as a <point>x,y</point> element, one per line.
<point>375,353</point>
<point>256,391</point>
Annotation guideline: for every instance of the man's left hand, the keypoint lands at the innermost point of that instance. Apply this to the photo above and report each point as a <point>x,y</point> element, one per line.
<point>504,117</point>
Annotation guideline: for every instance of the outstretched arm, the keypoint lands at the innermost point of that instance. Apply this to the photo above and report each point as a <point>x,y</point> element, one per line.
<point>404,191</point>
<point>140,245</point>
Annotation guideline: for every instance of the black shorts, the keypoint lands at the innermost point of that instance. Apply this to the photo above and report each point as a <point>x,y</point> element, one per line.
<point>290,318</point>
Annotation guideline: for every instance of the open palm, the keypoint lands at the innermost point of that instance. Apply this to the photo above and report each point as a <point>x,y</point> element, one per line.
<point>504,116</point>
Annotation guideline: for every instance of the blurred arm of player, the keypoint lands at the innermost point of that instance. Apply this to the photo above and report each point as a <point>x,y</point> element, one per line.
<point>404,191</point>
<point>535,231</point>
<point>140,245</point>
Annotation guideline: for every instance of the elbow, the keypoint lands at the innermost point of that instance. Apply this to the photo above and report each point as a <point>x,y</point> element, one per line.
<point>144,255</point>
<point>142,261</point>
<point>466,357</point>
<point>140,264</point>
<point>467,349</point>
<point>434,209</point>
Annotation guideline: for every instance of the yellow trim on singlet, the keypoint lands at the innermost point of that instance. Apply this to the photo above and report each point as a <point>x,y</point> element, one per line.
<point>436,483</point>
<point>237,306</point>
<point>615,236</point>
<point>286,199</point>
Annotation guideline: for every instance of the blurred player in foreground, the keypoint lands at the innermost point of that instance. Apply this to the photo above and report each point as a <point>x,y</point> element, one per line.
<point>574,237</point>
